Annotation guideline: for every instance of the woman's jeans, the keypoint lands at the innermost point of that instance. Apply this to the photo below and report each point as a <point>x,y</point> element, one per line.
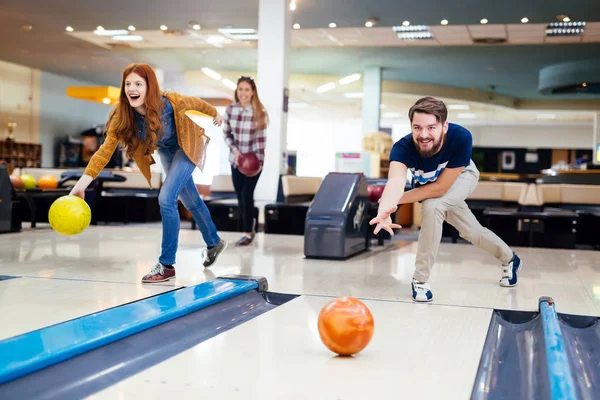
<point>179,183</point>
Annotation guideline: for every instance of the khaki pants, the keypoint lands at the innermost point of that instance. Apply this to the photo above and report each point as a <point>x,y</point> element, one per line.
<point>452,208</point>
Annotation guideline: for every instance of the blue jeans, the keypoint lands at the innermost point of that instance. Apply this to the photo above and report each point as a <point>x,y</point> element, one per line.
<point>179,183</point>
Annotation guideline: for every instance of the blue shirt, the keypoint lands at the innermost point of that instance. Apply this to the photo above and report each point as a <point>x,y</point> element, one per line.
<point>169,137</point>
<point>456,152</point>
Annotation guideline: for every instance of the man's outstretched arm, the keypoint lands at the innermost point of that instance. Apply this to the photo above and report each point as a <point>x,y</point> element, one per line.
<point>433,189</point>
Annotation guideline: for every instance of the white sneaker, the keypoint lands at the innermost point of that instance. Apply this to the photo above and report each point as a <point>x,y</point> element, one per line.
<point>421,291</point>
<point>510,272</point>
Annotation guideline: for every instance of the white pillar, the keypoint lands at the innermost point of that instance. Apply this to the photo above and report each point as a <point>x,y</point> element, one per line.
<point>274,26</point>
<point>371,105</point>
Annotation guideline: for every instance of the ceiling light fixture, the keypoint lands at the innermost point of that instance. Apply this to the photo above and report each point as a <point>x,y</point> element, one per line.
<point>406,23</point>
<point>332,25</point>
<point>483,21</point>
<point>444,22</point>
<point>211,73</point>
<point>229,84</point>
<point>163,28</point>
<point>413,32</point>
<point>524,20</point>
<point>371,22</point>
<point>113,32</point>
<point>69,29</point>
<point>296,26</point>
<point>325,88</point>
<point>240,34</point>
<point>99,28</point>
<point>292,5</point>
<point>131,28</point>
<point>349,79</point>
<point>565,28</point>
<point>566,19</point>
<point>128,38</point>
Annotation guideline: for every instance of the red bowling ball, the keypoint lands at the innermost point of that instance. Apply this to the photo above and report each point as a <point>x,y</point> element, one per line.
<point>248,164</point>
<point>375,192</point>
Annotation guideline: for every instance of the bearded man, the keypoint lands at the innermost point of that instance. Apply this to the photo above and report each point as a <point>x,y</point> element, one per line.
<point>438,154</point>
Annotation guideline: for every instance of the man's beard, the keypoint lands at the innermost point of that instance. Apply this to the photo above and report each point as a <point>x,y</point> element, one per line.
<point>437,146</point>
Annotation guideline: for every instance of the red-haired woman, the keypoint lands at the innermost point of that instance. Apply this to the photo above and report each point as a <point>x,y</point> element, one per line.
<point>244,129</point>
<point>146,120</point>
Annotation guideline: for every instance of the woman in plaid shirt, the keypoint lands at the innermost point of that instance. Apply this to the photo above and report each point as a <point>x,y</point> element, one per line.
<point>244,128</point>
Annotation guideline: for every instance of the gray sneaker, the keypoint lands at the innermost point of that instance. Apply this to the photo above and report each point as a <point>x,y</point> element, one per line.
<point>210,255</point>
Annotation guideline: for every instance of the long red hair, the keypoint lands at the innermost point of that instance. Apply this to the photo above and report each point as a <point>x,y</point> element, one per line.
<point>260,118</point>
<point>122,119</point>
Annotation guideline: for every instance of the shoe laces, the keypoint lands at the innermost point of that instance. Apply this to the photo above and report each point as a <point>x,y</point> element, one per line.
<point>158,270</point>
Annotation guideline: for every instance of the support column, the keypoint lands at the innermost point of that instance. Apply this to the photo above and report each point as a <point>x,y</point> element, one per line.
<point>371,107</point>
<point>274,30</point>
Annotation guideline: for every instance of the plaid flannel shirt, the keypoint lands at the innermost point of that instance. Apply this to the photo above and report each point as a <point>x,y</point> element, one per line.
<point>242,134</point>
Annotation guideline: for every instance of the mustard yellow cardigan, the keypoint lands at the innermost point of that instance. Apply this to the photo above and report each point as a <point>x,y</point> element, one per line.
<point>191,138</point>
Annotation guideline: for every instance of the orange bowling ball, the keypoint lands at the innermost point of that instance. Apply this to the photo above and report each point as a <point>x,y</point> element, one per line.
<point>346,326</point>
<point>47,182</point>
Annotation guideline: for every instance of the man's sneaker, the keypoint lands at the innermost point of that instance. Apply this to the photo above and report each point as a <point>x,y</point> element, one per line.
<point>210,255</point>
<point>421,291</point>
<point>159,274</point>
<point>510,272</point>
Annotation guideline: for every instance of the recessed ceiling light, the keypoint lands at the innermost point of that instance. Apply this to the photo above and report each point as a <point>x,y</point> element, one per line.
<point>112,32</point>
<point>69,29</point>
<point>325,88</point>
<point>99,28</point>
<point>444,22</point>
<point>292,5</point>
<point>406,23</point>
<point>484,21</point>
<point>525,20</point>
<point>229,83</point>
<point>211,73</point>
<point>163,28</point>
<point>349,79</point>
<point>296,26</point>
<point>332,25</point>
<point>584,84</point>
<point>196,27</point>
<point>371,22</point>
<point>131,28</point>
<point>128,38</point>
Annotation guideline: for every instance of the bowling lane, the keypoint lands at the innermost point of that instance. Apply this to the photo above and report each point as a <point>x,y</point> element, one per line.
<point>421,351</point>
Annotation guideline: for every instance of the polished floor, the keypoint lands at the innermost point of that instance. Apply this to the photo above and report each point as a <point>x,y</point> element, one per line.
<point>279,354</point>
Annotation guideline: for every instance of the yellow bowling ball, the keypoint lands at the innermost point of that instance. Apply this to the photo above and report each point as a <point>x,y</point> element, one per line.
<point>69,215</point>
<point>29,181</point>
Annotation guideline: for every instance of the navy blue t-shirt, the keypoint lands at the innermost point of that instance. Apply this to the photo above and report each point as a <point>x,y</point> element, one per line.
<point>455,153</point>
